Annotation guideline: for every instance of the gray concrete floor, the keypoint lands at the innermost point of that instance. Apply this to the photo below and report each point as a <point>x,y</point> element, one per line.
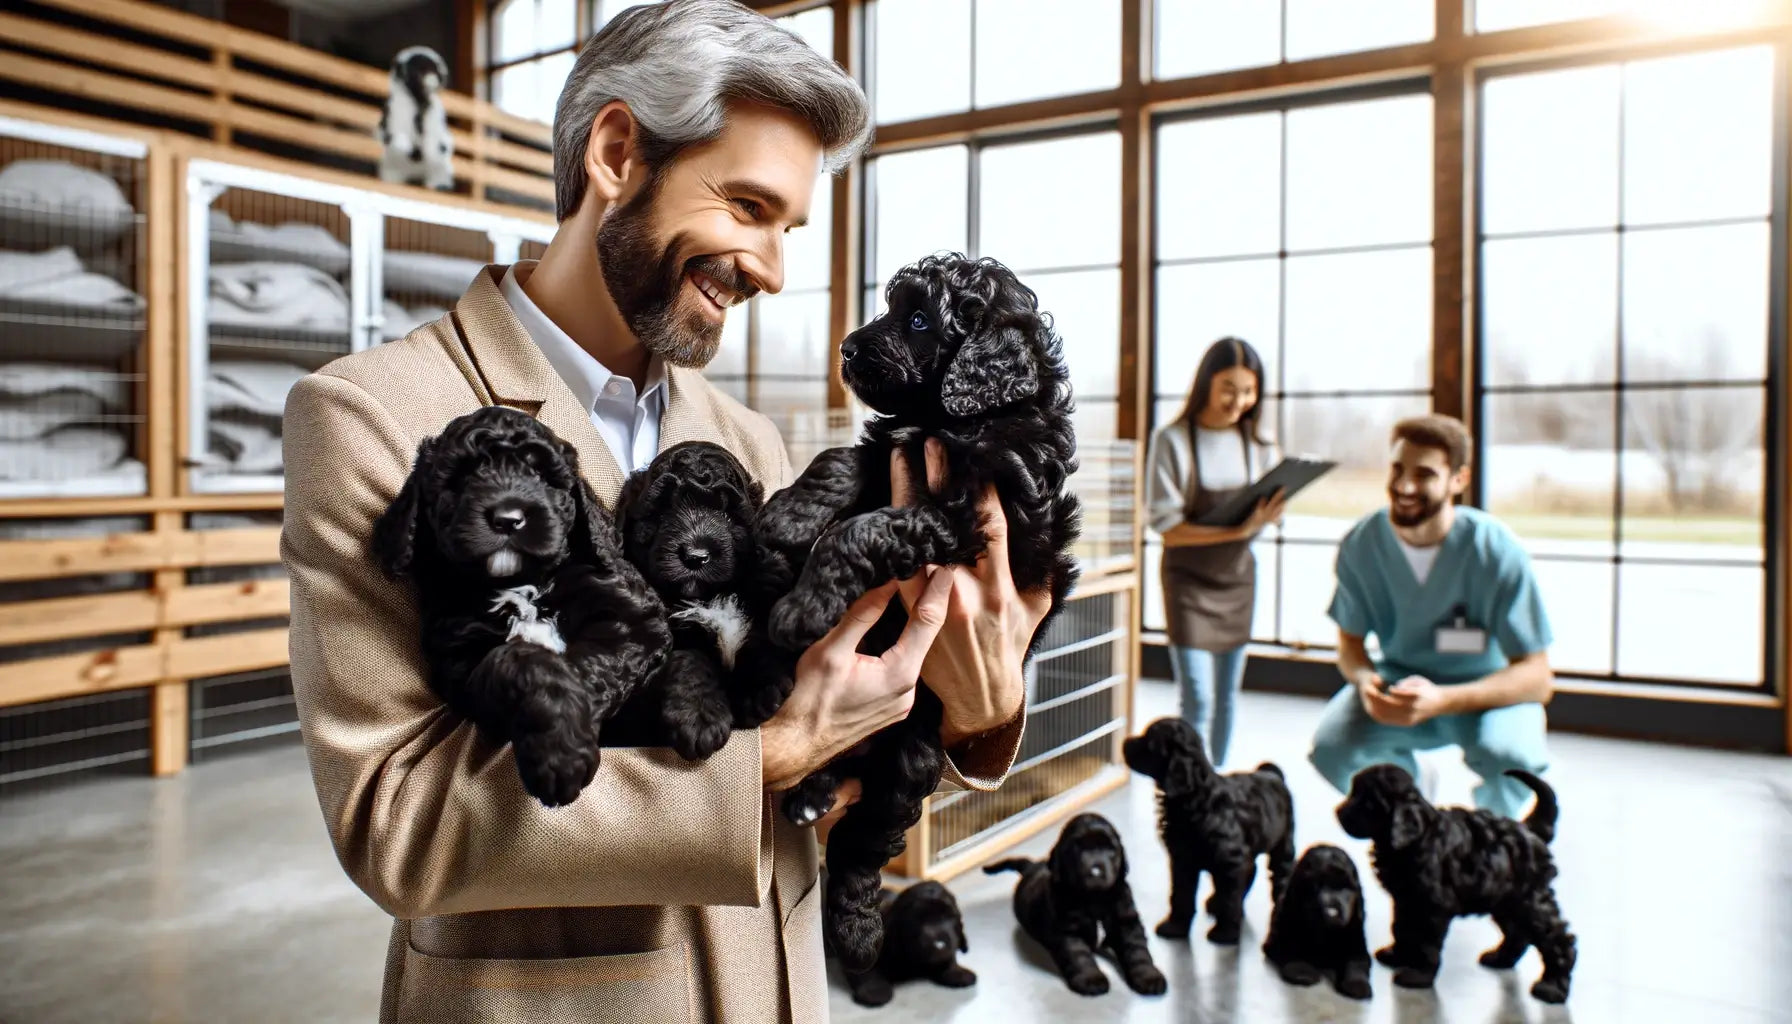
<point>214,896</point>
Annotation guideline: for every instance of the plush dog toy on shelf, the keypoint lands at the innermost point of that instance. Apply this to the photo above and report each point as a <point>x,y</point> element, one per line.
<point>1215,823</point>
<point>962,356</point>
<point>1443,863</point>
<point>416,146</point>
<point>535,627</point>
<point>923,935</point>
<point>1317,926</point>
<point>1078,901</point>
<point>686,522</point>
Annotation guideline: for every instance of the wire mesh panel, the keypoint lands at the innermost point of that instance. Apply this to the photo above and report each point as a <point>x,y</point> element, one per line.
<point>276,304</point>
<point>424,268</point>
<point>228,711</point>
<point>56,739</point>
<point>1107,481</point>
<point>71,314</point>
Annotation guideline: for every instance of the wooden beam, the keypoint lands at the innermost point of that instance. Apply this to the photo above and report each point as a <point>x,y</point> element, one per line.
<point>62,618</point>
<point>168,738</point>
<point>1136,204</point>
<point>1450,227</point>
<point>226,602</point>
<point>845,266</point>
<point>98,49</point>
<point>73,675</point>
<point>119,552</point>
<point>101,87</point>
<point>197,657</point>
<point>137,505</point>
<point>254,545</point>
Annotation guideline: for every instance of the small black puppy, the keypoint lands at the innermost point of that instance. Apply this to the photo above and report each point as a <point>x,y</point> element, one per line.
<point>686,523</point>
<point>964,356</point>
<point>923,935</point>
<point>1317,926</point>
<point>1215,823</point>
<point>535,627</point>
<point>1082,887</point>
<point>1443,863</point>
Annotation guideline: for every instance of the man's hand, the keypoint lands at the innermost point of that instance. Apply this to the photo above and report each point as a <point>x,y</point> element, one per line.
<point>841,696</point>
<point>975,664</point>
<point>1407,703</point>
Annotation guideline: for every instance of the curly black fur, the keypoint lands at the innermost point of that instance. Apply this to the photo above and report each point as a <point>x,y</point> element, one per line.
<point>1442,863</point>
<point>535,627</point>
<point>1215,823</point>
<point>686,523</point>
<point>964,355</point>
<point>1317,926</point>
<point>1082,887</point>
<point>923,935</point>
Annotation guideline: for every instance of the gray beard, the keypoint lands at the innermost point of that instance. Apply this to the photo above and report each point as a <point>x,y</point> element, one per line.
<point>644,282</point>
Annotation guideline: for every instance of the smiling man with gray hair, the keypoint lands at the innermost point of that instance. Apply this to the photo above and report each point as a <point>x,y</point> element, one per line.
<point>688,141</point>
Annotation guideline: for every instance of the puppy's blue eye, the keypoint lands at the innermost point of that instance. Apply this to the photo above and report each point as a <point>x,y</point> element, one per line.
<point>918,322</point>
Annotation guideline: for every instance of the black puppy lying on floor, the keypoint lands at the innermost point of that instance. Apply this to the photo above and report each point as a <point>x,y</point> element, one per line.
<point>1443,863</point>
<point>923,935</point>
<point>963,355</point>
<point>1215,823</point>
<point>535,627</point>
<point>686,523</point>
<point>1082,888</point>
<point>1317,925</point>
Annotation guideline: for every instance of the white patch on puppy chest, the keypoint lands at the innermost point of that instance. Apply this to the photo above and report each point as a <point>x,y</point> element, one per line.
<point>526,621</point>
<point>724,618</point>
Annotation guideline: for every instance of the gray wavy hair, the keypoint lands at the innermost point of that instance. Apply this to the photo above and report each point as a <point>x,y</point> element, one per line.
<point>678,64</point>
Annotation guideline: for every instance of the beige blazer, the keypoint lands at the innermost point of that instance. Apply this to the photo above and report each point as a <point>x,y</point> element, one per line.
<point>668,891</point>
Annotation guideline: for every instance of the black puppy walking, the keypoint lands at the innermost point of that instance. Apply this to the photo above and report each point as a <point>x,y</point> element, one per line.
<point>1443,863</point>
<point>1317,926</point>
<point>923,935</point>
<point>1215,823</point>
<point>1078,901</point>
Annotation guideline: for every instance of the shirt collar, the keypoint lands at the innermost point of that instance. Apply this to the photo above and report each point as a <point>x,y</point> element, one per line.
<point>583,374</point>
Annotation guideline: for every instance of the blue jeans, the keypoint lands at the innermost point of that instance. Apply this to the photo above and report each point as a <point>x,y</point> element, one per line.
<point>1348,740</point>
<point>1209,682</point>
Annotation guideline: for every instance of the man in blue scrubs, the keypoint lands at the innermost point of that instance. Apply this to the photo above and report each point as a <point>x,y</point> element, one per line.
<point>1448,594</point>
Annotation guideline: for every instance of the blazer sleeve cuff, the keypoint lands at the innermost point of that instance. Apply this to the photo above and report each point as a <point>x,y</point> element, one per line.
<point>982,762</point>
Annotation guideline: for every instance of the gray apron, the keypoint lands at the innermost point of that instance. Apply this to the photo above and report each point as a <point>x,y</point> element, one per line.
<point>1209,591</point>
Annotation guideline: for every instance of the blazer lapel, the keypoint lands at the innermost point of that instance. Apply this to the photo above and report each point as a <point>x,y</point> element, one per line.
<point>516,374</point>
<point>689,415</point>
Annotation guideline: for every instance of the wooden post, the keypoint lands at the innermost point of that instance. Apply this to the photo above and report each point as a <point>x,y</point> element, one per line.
<point>844,284</point>
<point>1451,247</point>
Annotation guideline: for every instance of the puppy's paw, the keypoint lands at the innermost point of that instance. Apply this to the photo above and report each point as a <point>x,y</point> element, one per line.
<point>1223,934</point>
<point>1299,972</point>
<point>1415,977</point>
<point>1500,958</point>
<point>805,803</point>
<point>1088,982</point>
<point>1147,980</point>
<point>1354,986</point>
<point>554,766</point>
<point>871,991</point>
<point>701,731</point>
<point>1389,956</point>
<point>799,619</point>
<point>1549,990</point>
<point>1173,927</point>
<point>957,976</point>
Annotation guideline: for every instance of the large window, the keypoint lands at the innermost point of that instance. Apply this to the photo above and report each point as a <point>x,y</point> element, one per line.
<point>533,46</point>
<point>1047,208</point>
<point>1197,37</point>
<point>1627,255</point>
<point>1306,232</point>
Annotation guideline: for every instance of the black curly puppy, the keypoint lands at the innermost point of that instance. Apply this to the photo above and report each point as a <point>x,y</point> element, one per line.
<point>686,523</point>
<point>1080,889</point>
<point>963,355</point>
<point>535,627</point>
<point>1317,926</point>
<point>1215,823</point>
<point>923,935</point>
<point>1442,863</point>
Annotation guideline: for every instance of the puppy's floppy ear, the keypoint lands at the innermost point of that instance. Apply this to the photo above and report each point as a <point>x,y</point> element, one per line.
<point>964,944</point>
<point>599,529</point>
<point>395,531</point>
<point>1181,774</point>
<point>630,496</point>
<point>993,368</point>
<point>1406,825</point>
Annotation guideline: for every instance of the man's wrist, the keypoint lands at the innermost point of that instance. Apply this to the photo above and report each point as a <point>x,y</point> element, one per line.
<point>959,725</point>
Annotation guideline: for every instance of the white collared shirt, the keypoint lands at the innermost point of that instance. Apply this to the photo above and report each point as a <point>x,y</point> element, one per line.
<point>628,422</point>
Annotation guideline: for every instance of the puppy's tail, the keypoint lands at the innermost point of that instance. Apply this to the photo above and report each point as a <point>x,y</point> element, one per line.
<point>1542,819</point>
<point>1020,864</point>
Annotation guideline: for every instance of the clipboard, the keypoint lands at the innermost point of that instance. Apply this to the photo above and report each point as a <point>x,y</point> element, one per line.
<point>1292,475</point>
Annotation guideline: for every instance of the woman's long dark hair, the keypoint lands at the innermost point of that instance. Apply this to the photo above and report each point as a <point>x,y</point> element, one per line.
<point>1225,354</point>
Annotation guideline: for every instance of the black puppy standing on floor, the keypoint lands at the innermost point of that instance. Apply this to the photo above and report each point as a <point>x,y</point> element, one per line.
<point>1215,823</point>
<point>962,355</point>
<point>535,627</point>
<point>1079,901</point>
<point>1442,863</point>
<point>1317,926</point>
<point>686,522</point>
<point>923,935</point>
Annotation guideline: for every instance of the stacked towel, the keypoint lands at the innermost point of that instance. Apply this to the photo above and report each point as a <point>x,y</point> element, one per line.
<point>52,422</point>
<point>429,273</point>
<point>58,183</point>
<point>56,276</point>
<point>276,295</point>
<point>245,400</point>
<point>295,241</point>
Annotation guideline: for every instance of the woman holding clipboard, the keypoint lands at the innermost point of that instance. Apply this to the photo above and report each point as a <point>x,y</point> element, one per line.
<point>1199,460</point>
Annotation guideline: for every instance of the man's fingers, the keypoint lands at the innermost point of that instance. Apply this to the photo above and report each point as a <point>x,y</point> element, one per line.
<point>901,489</point>
<point>924,622</point>
<point>861,615</point>
<point>936,464</point>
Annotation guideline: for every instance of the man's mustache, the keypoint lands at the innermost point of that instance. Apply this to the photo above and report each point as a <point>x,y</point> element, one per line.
<point>724,273</point>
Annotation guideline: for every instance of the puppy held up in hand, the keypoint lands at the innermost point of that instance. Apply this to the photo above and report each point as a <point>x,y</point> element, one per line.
<point>686,522</point>
<point>1219,824</point>
<point>923,935</point>
<point>535,627</point>
<point>1078,901</point>
<point>1441,863</point>
<point>1317,926</point>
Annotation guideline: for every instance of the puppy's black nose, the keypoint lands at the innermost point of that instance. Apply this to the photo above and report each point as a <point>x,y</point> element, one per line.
<point>694,556</point>
<point>509,519</point>
<point>848,349</point>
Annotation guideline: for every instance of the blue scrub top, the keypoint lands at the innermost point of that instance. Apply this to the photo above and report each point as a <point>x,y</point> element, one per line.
<point>1480,567</point>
